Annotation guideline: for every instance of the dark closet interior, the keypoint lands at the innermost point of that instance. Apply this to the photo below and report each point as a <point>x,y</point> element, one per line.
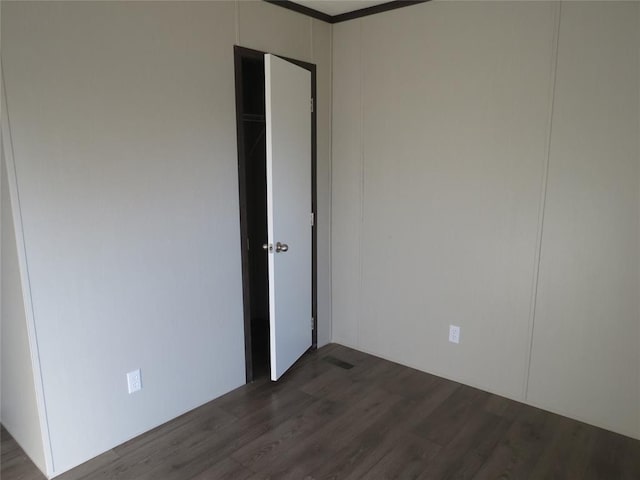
<point>252,144</point>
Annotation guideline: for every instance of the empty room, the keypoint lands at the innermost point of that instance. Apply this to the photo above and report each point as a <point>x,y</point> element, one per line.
<point>251,239</point>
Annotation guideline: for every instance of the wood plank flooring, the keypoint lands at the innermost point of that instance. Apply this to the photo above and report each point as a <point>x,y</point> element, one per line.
<point>343,414</point>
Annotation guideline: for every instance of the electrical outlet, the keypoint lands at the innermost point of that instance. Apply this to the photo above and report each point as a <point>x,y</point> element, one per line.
<point>134,381</point>
<point>454,334</point>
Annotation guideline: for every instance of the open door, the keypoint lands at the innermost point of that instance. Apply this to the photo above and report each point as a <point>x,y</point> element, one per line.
<point>289,220</point>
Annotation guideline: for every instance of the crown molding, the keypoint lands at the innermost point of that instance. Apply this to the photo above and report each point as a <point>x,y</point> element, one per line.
<point>343,17</point>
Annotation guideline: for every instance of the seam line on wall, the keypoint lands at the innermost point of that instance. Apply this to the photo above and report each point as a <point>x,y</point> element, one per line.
<point>331,219</point>
<point>543,199</point>
<point>311,53</point>
<point>23,264</point>
<point>361,226</point>
<point>638,200</point>
<point>330,224</point>
<point>237,21</point>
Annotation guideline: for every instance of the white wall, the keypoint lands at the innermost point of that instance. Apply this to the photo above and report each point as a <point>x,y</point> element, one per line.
<point>123,121</point>
<point>586,348</point>
<point>346,183</point>
<point>441,142</point>
<point>439,150</point>
<point>18,406</point>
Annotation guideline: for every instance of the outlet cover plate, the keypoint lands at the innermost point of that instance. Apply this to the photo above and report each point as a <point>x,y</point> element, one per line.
<point>454,334</point>
<point>134,381</point>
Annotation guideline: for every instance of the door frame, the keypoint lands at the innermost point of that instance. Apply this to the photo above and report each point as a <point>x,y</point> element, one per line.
<point>239,54</point>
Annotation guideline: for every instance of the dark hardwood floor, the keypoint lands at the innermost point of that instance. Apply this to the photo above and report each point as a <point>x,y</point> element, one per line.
<point>340,413</point>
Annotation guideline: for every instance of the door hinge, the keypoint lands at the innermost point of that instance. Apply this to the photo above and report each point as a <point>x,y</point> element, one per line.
<point>311,105</point>
<point>313,219</point>
<point>312,323</point>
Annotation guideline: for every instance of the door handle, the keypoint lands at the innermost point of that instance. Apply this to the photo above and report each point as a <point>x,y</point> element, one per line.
<point>281,247</point>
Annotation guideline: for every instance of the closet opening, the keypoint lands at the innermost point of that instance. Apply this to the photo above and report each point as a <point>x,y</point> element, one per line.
<point>252,146</point>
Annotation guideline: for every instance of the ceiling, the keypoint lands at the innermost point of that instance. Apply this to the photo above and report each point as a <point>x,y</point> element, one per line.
<point>338,7</point>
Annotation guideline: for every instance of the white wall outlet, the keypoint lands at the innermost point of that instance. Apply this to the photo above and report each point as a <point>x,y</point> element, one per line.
<point>454,334</point>
<point>134,381</point>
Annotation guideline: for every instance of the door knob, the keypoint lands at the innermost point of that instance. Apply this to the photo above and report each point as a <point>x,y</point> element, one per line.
<point>268,247</point>
<point>281,247</point>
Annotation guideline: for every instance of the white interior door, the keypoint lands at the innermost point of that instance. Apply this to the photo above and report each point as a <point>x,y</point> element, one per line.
<point>288,119</point>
